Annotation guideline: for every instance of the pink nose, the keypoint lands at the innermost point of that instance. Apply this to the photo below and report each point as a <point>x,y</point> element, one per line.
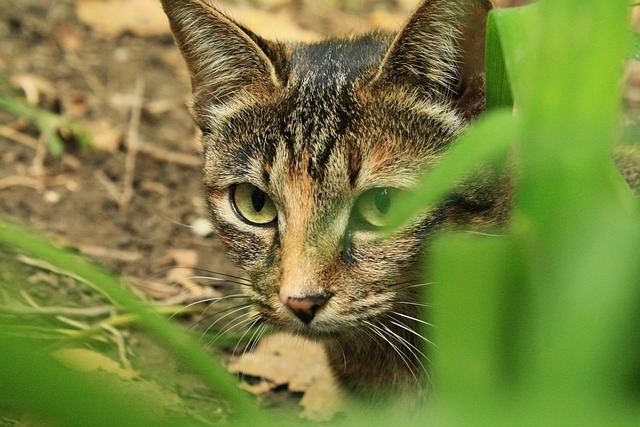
<point>305,307</point>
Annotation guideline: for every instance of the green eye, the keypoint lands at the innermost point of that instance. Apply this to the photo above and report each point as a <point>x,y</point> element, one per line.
<point>374,206</point>
<point>253,205</point>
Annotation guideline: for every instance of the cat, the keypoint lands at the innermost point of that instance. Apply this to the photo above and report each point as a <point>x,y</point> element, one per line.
<point>307,148</point>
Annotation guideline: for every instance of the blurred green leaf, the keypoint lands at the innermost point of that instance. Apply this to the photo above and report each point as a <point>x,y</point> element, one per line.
<point>51,126</point>
<point>181,343</point>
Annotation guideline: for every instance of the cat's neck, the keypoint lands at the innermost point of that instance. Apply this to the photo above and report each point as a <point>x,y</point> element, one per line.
<point>384,359</point>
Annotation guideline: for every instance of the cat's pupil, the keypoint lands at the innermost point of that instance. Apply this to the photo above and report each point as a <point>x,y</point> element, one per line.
<point>258,199</point>
<point>382,201</point>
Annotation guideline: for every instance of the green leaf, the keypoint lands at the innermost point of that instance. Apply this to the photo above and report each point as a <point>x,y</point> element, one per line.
<point>635,46</point>
<point>181,343</point>
<point>508,37</point>
<point>472,281</point>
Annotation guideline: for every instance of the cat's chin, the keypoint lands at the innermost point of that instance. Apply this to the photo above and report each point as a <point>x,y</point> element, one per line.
<point>315,335</point>
<point>317,332</point>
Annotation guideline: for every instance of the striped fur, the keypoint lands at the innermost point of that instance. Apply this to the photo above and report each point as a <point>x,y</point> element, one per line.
<point>316,126</point>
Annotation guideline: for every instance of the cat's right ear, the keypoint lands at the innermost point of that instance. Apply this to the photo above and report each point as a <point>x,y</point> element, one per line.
<point>226,61</point>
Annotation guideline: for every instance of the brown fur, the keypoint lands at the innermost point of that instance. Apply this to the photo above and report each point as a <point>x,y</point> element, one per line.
<point>315,127</point>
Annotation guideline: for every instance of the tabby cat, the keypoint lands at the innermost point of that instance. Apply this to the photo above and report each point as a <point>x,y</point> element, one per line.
<point>307,148</point>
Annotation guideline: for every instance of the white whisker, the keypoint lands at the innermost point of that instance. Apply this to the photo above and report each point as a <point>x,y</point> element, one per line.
<point>417,304</point>
<point>414,319</point>
<point>408,363</point>
<point>482,233</point>
<point>255,319</point>
<point>235,324</point>
<point>231,311</point>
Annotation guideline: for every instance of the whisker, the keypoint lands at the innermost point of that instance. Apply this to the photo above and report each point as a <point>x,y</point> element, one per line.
<point>411,331</point>
<point>218,279</point>
<point>256,336</point>
<point>230,311</point>
<point>409,346</point>
<point>408,329</point>
<point>418,304</point>
<point>255,339</point>
<point>408,363</point>
<point>415,319</point>
<point>482,233</point>
<point>208,281</point>
<point>235,324</point>
<point>212,302</point>
<point>230,276</point>
<point>412,285</point>
<point>414,349</point>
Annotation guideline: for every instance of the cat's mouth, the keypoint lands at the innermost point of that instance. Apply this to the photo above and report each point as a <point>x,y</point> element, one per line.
<point>324,325</point>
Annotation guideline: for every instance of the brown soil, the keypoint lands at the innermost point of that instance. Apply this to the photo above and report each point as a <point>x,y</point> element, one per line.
<point>75,198</point>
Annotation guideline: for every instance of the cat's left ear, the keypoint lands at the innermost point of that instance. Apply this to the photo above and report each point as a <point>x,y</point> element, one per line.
<point>229,65</point>
<point>440,51</point>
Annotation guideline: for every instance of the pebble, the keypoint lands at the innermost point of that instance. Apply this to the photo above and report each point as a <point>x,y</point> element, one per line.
<point>52,197</point>
<point>201,227</point>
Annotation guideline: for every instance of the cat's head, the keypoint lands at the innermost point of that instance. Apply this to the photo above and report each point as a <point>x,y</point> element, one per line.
<point>307,147</point>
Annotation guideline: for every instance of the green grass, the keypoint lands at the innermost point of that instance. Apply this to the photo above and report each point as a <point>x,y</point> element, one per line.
<point>56,131</point>
<point>541,326</point>
<point>537,327</point>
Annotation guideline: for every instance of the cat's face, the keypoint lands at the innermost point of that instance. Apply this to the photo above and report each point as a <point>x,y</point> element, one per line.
<point>308,147</point>
<point>301,186</point>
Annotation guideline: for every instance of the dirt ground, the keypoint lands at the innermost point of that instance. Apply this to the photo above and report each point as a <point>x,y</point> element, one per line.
<point>132,201</point>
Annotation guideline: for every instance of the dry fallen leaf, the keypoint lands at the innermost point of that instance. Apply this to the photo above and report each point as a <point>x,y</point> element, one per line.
<point>105,136</point>
<point>114,17</point>
<point>84,360</point>
<point>281,359</point>
<point>67,37</point>
<point>34,87</point>
<point>185,260</point>
<point>271,25</point>
<point>146,18</point>
<point>386,20</point>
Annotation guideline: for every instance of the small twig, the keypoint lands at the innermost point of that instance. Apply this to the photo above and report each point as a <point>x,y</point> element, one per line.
<point>22,310</point>
<point>132,143</point>
<point>24,181</point>
<point>28,299</point>
<point>127,319</point>
<point>111,188</point>
<point>72,322</point>
<point>89,76</point>
<point>43,265</point>
<point>117,337</point>
<point>165,155</point>
<point>37,167</point>
<point>19,137</point>
<point>102,252</point>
